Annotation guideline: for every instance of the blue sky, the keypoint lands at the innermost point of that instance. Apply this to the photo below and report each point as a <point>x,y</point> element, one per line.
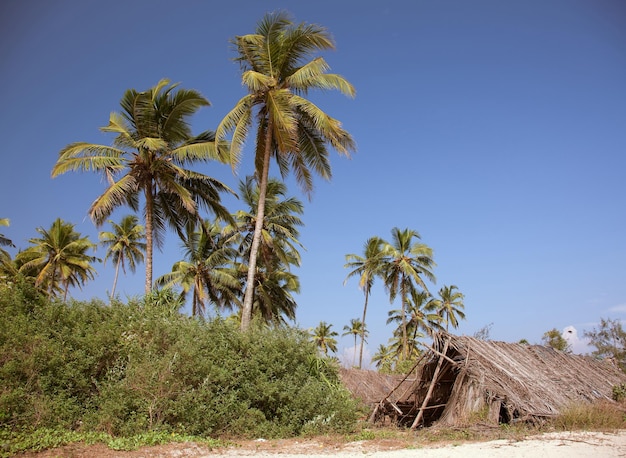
<point>496,129</point>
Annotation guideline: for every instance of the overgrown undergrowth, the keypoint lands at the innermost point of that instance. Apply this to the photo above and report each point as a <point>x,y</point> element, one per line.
<point>127,370</point>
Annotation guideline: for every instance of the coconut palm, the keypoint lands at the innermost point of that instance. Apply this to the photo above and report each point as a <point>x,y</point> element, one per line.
<point>274,283</point>
<point>206,270</point>
<point>367,267</point>
<point>384,358</point>
<point>450,306</point>
<point>278,69</point>
<point>324,338</point>
<point>421,314</point>
<point>356,328</point>
<point>125,245</point>
<point>405,263</point>
<point>148,161</point>
<point>280,223</point>
<point>273,299</point>
<point>4,241</point>
<point>58,259</point>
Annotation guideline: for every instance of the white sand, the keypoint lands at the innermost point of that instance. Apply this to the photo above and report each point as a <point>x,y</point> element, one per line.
<point>562,444</point>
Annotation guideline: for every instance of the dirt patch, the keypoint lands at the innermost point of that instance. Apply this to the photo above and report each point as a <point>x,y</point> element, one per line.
<point>563,444</point>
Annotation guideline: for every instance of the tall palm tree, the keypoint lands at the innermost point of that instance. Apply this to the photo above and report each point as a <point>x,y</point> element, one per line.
<point>324,338</point>
<point>148,161</point>
<point>356,328</point>
<point>406,262</point>
<point>278,69</point>
<point>450,306</point>
<point>274,283</point>
<point>206,270</point>
<point>58,259</point>
<point>367,267</point>
<point>125,245</point>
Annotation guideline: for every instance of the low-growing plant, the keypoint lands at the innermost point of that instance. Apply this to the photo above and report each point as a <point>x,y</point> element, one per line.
<point>619,392</point>
<point>599,416</point>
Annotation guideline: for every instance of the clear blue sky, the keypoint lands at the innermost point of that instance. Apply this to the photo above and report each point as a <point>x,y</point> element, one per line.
<point>497,129</point>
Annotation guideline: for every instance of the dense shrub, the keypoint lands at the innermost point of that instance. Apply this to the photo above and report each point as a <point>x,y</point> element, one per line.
<point>125,369</point>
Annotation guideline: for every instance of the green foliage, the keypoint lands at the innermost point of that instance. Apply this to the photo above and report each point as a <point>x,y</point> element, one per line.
<point>131,369</point>
<point>554,339</point>
<point>610,341</point>
<point>619,392</point>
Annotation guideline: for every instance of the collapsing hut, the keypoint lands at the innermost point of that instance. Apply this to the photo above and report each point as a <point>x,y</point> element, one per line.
<point>460,378</point>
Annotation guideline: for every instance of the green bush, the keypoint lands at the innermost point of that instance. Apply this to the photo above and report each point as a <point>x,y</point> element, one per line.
<point>129,369</point>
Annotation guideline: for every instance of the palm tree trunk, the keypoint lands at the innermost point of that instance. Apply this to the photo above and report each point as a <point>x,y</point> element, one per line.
<point>246,313</point>
<point>117,271</point>
<point>363,331</point>
<point>405,340</point>
<point>149,233</point>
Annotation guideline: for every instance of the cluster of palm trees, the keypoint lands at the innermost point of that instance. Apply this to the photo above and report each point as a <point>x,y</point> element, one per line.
<point>148,167</point>
<point>403,264</point>
<point>215,257</point>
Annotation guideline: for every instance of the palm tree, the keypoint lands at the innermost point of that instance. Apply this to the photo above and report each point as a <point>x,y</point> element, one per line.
<point>58,259</point>
<point>273,299</point>
<point>278,71</point>
<point>404,265</point>
<point>421,314</point>
<point>384,358</point>
<point>367,267</point>
<point>206,270</point>
<point>125,244</point>
<point>450,306</point>
<point>153,147</point>
<point>324,338</point>
<point>356,328</point>
<point>273,281</point>
<point>4,241</point>
<point>279,228</point>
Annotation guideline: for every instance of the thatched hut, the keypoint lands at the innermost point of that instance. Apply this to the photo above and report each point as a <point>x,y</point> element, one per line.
<point>498,382</point>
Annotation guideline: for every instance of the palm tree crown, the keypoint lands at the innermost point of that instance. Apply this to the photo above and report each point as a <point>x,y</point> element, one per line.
<point>125,245</point>
<point>58,259</point>
<point>406,262</point>
<point>153,147</point>
<point>324,338</point>
<point>278,69</point>
<point>367,267</point>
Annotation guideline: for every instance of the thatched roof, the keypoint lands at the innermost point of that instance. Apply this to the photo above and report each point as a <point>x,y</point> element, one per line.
<point>533,379</point>
<point>460,376</point>
<point>371,386</point>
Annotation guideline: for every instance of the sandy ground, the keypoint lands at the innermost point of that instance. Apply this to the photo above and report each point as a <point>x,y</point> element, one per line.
<point>562,444</point>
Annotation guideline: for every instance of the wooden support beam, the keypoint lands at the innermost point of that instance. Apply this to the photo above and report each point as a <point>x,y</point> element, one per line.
<point>431,388</point>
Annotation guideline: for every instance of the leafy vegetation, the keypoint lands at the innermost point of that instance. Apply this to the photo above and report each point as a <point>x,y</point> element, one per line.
<point>130,369</point>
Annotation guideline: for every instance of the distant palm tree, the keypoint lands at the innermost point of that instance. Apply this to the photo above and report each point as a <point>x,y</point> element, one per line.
<point>356,328</point>
<point>58,259</point>
<point>406,262</point>
<point>153,147</point>
<point>125,244</point>
<point>207,269</point>
<point>450,306</point>
<point>367,267</point>
<point>324,338</point>
<point>273,296</point>
<point>384,358</point>
<point>421,314</point>
<point>278,72</point>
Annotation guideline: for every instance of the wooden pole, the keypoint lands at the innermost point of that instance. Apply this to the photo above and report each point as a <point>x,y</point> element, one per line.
<point>431,388</point>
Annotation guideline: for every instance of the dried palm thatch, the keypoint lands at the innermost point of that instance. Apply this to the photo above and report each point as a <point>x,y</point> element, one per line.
<point>463,377</point>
